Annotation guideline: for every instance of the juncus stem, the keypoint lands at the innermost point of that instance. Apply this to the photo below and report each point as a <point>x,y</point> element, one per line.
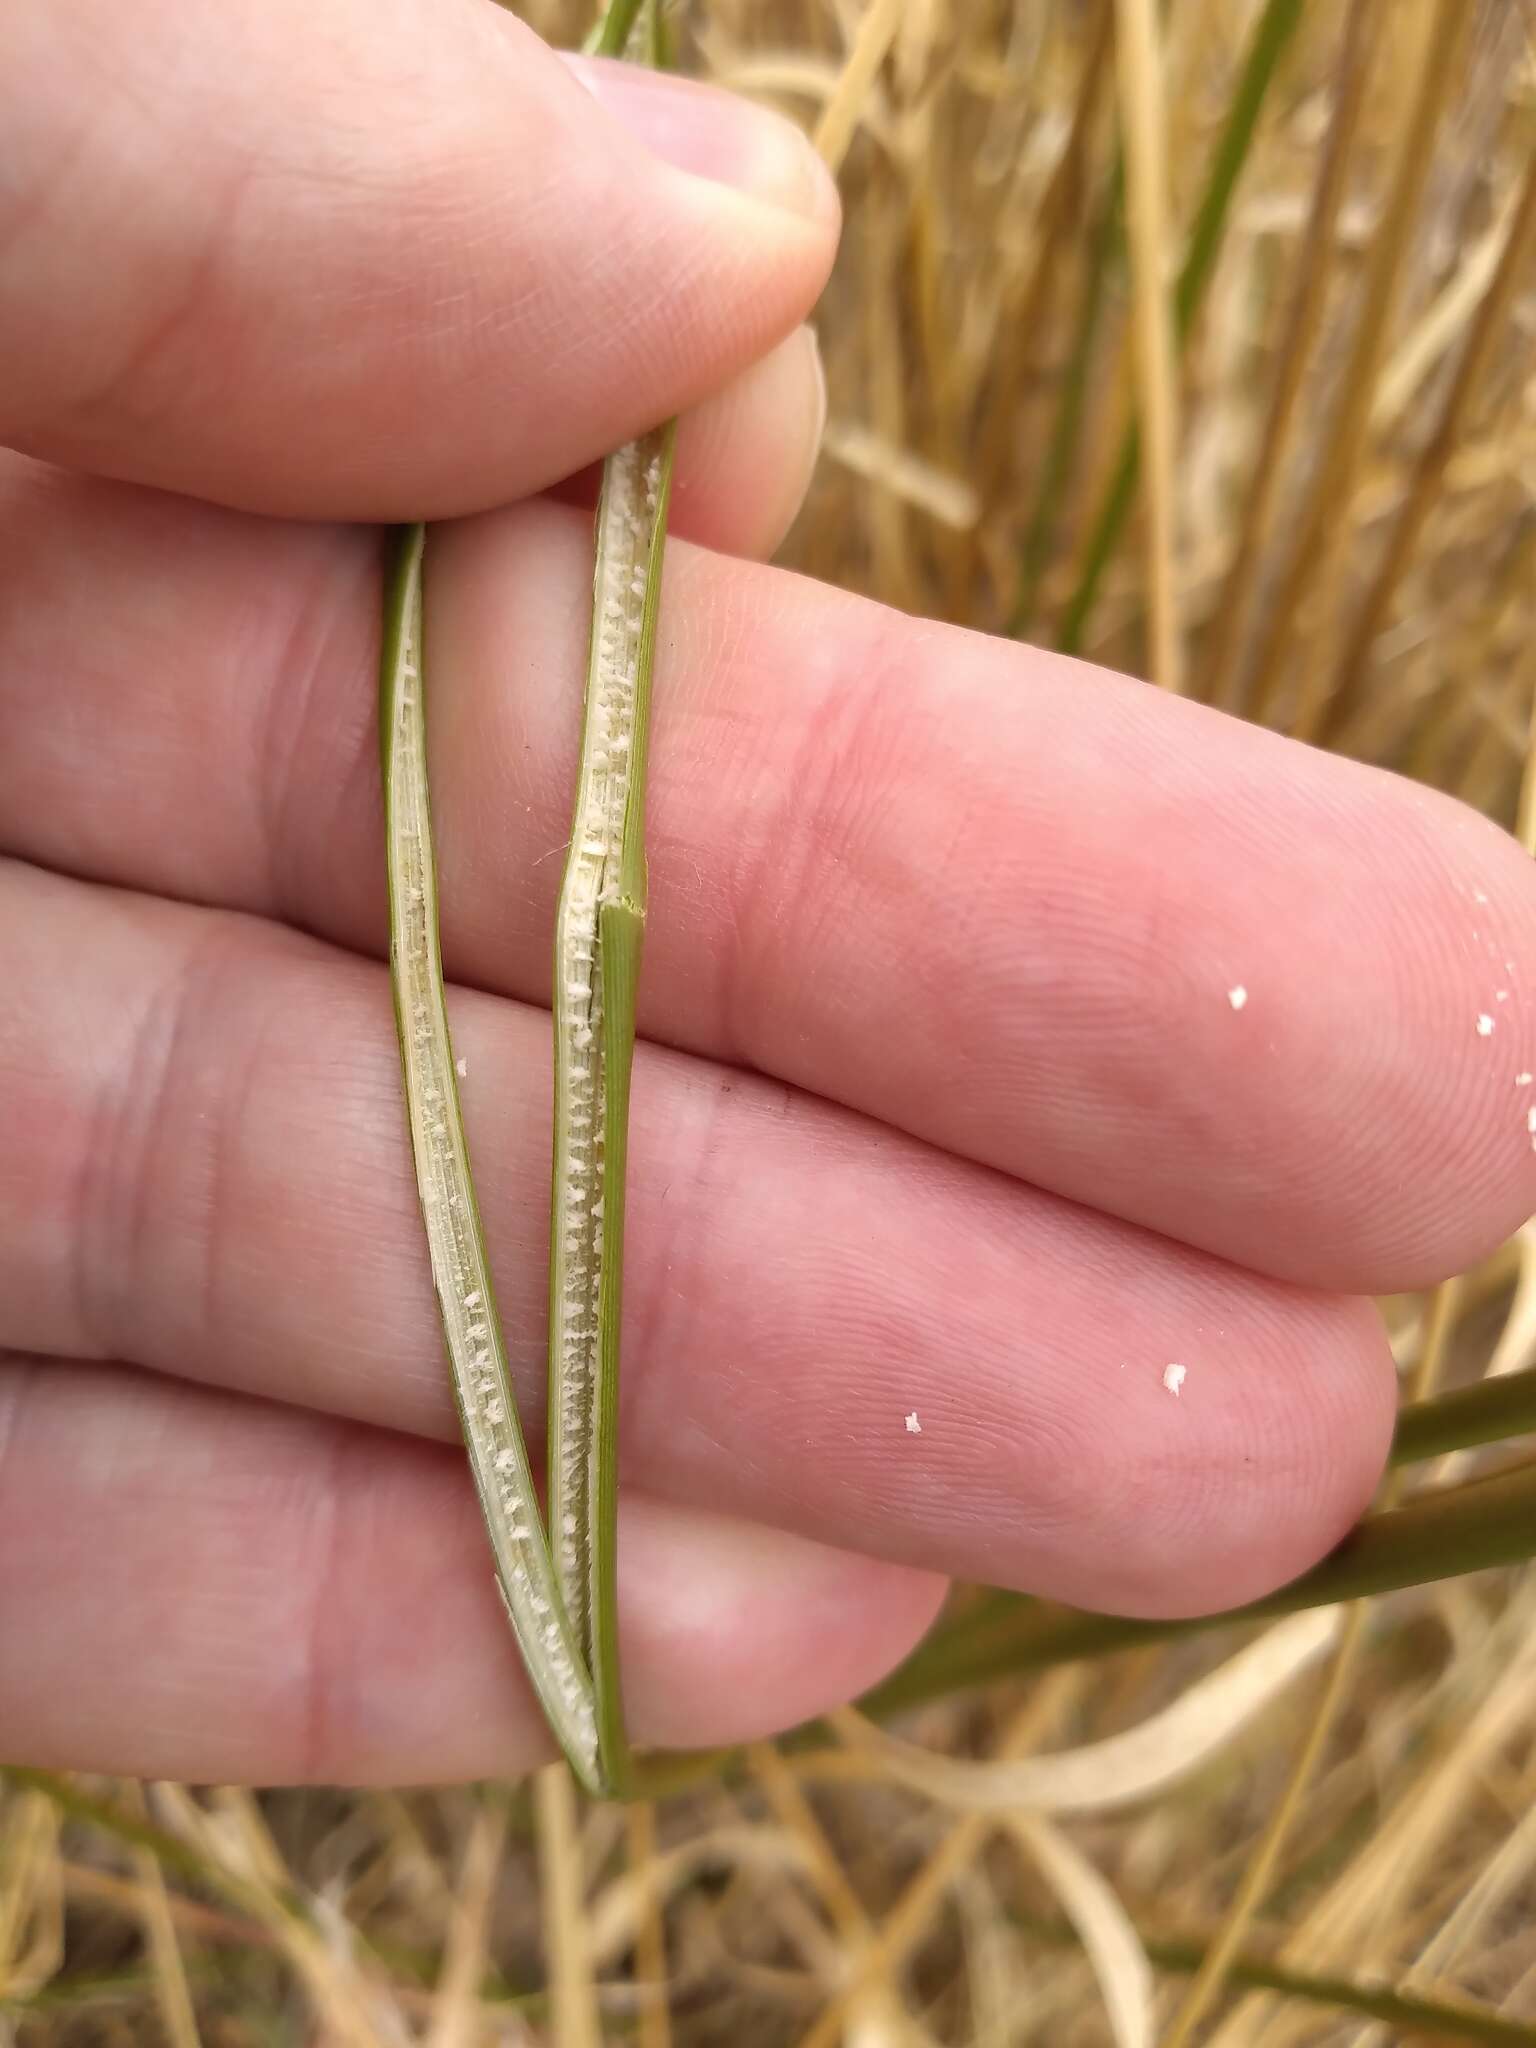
<point>597,958</point>
<point>460,1271</point>
<point>559,1585</point>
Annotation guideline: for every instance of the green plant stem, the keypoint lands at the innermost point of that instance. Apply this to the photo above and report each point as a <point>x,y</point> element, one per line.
<point>461,1274</point>
<point>599,930</point>
<point>610,37</point>
<point>1413,2018</point>
<point>1487,1412</point>
<point>559,1585</point>
<point>1473,1527</point>
<point>1272,32</point>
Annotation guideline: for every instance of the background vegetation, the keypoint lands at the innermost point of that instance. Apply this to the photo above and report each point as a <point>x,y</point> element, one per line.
<point>1302,483</point>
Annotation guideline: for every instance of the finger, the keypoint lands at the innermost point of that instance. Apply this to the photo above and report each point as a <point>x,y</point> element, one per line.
<point>996,898</point>
<point>827,1326</point>
<point>218,1589</point>
<point>744,457</point>
<point>380,263</point>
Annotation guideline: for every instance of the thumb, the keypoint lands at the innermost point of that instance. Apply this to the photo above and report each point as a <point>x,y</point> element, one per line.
<point>373,259</point>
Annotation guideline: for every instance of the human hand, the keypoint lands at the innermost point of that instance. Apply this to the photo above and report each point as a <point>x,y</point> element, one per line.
<point>949,1108</point>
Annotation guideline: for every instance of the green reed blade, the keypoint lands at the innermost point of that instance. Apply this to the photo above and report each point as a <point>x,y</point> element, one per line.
<point>1440,1534</point>
<point>597,957</point>
<point>456,1245</point>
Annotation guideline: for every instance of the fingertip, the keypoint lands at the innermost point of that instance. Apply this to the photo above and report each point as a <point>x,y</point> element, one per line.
<point>734,1631</point>
<point>1251,1463</point>
<point>1476,1181</point>
<point>745,458</point>
<point>715,136</point>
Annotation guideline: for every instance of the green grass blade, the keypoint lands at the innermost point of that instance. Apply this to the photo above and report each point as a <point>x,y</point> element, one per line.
<point>460,1271</point>
<point>597,960</point>
<point>599,929</point>
<point>1272,32</point>
<point>610,37</point>
<point>1485,1413</point>
<point>1454,1529</point>
<point>1412,2018</point>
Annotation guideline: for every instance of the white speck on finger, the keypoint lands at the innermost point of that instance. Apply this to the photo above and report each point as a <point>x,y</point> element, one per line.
<point>1237,996</point>
<point>1173,1378</point>
<point>914,1427</point>
<point>1484,1025</point>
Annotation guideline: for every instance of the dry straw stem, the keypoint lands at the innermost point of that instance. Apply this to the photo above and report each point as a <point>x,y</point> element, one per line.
<point>573,1999</point>
<point>898,1934</point>
<point>1139,68</point>
<point>31,1898</point>
<point>844,110</point>
<point>1110,1940</point>
<point>1318,551</point>
<point>1348,1918</point>
<point>1313,270</point>
<point>1272,33</point>
<point>1264,1862</point>
<point>650,1934</point>
<point>1487,329</point>
<point>1259,1872</point>
<point>456,2015</point>
<point>173,1994</point>
<point>1125,1768</point>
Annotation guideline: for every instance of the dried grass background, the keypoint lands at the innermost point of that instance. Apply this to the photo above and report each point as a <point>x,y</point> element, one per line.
<point>1334,530</point>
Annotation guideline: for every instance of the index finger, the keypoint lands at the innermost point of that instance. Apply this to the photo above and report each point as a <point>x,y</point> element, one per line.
<point>339,259</point>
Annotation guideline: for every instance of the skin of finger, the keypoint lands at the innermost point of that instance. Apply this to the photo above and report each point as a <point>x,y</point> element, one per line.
<point>209,1174</point>
<point>382,263</point>
<point>745,457</point>
<point>1049,884</point>
<point>218,1589</point>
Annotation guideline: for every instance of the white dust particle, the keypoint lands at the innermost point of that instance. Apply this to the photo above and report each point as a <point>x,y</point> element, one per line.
<point>1523,1080</point>
<point>1237,996</point>
<point>914,1427</point>
<point>1485,1026</point>
<point>1530,1121</point>
<point>461,1068</point>
<point>1173,1378</point>
<point>1478,896</point>
<point>1501,995</point>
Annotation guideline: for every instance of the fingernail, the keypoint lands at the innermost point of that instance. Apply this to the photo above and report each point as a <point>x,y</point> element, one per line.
<point>714,135</point>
